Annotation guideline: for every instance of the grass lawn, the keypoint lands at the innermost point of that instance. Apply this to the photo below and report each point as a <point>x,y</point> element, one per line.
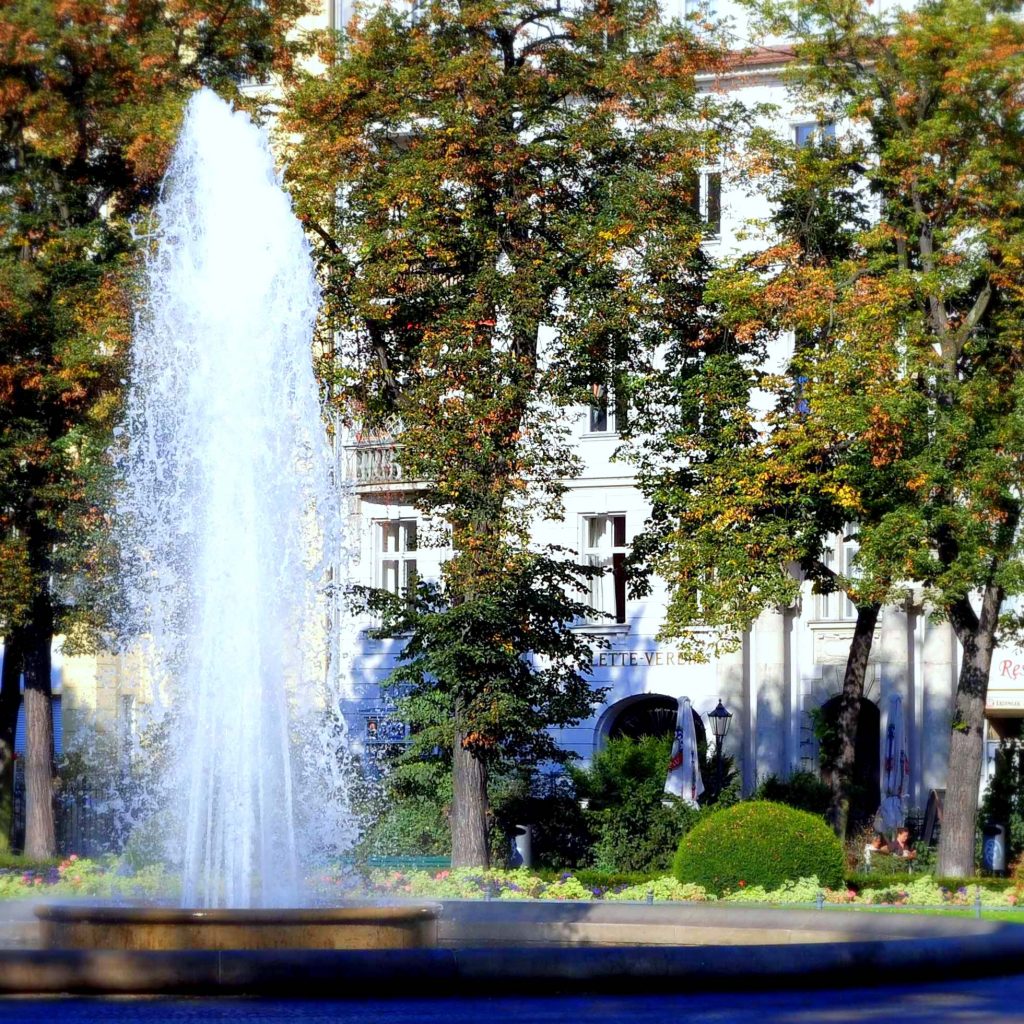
<point>1016,916</point>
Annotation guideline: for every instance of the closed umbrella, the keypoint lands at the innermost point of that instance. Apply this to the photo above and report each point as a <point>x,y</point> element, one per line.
<point>683,767</point>
<point>896,781</point>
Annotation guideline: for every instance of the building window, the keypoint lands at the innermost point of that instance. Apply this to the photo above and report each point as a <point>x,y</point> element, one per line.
<point>129,723</point>
<point>396,556</point>
<point>707,201</point>
<point>607,410</point>
<point>811,132</point>
<point>604,547</point>
<point>839,558</point>
<point>385,737</point>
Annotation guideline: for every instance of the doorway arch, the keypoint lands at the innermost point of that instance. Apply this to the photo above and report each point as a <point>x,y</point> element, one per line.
<point>866,791</point>
<point>646,714</point>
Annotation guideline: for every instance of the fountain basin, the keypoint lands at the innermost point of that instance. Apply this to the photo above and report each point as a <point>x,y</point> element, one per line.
<point>355,926</point>
<point>501,947</point>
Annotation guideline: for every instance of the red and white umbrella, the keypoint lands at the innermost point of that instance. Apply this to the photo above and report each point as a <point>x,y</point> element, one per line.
<point>684,765</point>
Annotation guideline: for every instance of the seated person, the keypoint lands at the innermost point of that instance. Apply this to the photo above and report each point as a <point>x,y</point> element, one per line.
<point>901,845</point>
<point>876,846</point>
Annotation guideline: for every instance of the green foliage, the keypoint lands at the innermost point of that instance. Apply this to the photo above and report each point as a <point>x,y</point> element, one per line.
<point>602,880</point>
<point>799,890</point>
<point>92,97</point>
<point>18,862</point>
<point>464,661</point>
<point>663,888</point>
<point>480,207</point>
<point>624,769</point>
<point>758,843</point>
<point>636,826</point>
<point>826,732</point>
<point>560,832</point>
<point>802,790</point>
<point>951,885</point>
<point>77,877</point>
<point>910,376</point>
<point>1003,801</point>
<point>92,101</point>
<point>410,827</point>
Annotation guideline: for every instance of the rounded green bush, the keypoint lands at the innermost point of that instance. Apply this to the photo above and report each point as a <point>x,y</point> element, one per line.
<point>759,843</point>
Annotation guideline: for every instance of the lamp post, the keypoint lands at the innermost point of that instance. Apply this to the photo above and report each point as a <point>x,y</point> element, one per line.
<point>719,719</point>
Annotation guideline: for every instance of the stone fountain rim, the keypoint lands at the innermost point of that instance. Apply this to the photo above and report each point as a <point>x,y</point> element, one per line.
<point>356,912</point>
<point>912,951</point>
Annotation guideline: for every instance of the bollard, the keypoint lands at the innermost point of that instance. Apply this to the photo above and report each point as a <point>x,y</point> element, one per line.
<point>650,896</point>
<point>977,902</point>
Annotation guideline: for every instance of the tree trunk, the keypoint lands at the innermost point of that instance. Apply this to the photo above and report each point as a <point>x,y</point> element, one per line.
<point>40,837</point>
<point>10,700</point>
<point>966,745</point>
<point>849,715</point>
<point>469,807</point>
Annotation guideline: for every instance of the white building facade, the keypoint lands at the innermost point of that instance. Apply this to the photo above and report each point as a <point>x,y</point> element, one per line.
<point>791,661</point>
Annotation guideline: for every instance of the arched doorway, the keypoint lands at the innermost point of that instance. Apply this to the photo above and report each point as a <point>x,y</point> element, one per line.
<point>866,791</point>
<point>649,714</point>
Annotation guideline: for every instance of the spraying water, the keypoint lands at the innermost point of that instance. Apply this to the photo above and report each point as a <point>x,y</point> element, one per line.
<point>230,522</point>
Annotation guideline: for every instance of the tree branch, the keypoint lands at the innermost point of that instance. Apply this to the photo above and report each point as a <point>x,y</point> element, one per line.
<point>972,319</point>
<point>325,237</point>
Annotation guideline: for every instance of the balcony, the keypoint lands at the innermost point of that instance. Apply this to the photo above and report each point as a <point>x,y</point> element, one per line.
<point>371,466</point>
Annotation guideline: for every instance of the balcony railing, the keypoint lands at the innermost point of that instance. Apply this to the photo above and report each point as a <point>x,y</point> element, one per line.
<point>373,463</point>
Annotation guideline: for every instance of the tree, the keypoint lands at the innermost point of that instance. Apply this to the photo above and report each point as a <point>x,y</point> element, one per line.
<point>918,345</point>
<point>473,175</point>
<point>90,98</point>
<point>465,661</point>
<point>750,481</point>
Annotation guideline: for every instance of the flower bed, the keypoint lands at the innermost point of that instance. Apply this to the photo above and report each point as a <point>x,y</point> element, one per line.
<point>78,877</point>
<point>922,891</point>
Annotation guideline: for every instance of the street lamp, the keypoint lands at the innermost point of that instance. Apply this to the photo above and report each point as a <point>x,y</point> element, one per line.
<point>719,719</point>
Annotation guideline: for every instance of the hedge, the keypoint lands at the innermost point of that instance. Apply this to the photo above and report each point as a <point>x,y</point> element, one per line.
<point>759,843</point>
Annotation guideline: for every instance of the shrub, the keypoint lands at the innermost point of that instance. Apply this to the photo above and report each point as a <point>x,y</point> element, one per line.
<point>597,879</point>
<point>800,890</point>
<point>640,836</point>
<point>634,824</point>
<point>759,843</point>
<point>802,790</point>
<point>560,836</point>
<point>665,888</point>
<point>1003,801</point>
<point>408,828</point>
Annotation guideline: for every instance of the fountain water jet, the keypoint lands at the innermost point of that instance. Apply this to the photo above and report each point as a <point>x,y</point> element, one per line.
<point>230,531</point>
<point>229,516</point>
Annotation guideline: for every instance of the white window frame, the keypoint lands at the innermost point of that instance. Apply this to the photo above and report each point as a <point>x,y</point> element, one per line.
<point>815,131</point>
<point>608,590</point>
<point>703,200</point>
<point>605,407</point>
<point>400,554</point>
<point>837,607</point>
